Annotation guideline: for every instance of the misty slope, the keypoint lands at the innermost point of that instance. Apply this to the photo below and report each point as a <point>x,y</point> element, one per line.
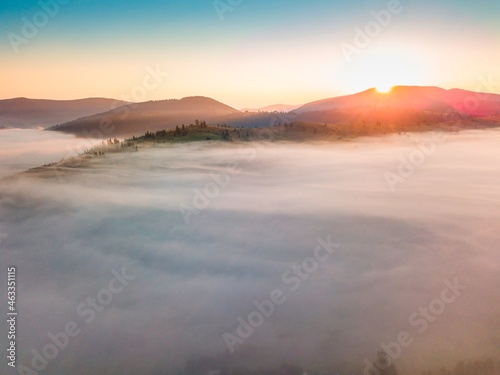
<point>31,113</point>
<point>274,108</point>
<point>413,98</point>
<point>402,106</point>
<point>153,115</point>
<point>406,105</point>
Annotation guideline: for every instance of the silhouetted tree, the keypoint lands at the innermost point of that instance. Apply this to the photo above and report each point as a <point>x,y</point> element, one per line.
<point>226,136</point>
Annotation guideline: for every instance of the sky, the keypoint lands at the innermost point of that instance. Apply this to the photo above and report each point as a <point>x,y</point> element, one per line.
<point>249,54</point>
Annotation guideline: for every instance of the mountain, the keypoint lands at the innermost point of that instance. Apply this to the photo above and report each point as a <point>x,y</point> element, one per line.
<point>402,105</point>
<point>150,116</point>
<point>403,108</point>
<point>33,113</point>
<point>273,108</point>
<point>413,98</point>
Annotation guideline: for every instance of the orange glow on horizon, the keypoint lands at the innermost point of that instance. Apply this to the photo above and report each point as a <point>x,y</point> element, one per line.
<point>384,89</point>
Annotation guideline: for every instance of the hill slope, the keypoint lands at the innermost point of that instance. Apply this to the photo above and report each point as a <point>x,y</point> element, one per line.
<point>417,107</point>
<point>403,105</point>
<point>32,113</point>
<point>273,108</point>
<point>413,98</point>
<point>150,116</point>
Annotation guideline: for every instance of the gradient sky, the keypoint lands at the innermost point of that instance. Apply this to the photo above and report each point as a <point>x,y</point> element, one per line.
<point>263,52</point>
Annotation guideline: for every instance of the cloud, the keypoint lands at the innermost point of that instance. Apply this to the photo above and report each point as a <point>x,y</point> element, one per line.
<point>194,281</point>
<point>21,149</point>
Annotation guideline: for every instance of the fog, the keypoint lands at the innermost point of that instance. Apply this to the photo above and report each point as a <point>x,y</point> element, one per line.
<point>198,263</point>
<point>21,149</point>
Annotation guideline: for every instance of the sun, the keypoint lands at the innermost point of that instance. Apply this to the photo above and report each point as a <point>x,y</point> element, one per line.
<point>382,69</point>
<point>384,88</point>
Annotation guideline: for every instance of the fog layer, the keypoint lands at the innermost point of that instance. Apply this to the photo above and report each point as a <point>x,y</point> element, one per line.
<point>21,149</point>
<point>206,230</point>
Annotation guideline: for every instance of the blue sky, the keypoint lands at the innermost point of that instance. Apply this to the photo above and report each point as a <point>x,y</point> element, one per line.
<point>261,52</point>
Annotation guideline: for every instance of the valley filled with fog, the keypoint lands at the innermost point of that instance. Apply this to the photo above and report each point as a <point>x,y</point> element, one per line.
<point>21,149</point>
<point>353,243</point>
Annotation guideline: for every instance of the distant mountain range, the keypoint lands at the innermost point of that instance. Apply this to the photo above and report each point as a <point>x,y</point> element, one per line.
<point>273,108</point>
<point>403,105</point>
<point>415,98</point>
<point>33,113</point>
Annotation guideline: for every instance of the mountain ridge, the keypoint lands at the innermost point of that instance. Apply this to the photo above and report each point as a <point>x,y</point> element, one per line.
<point>23,112</point>
<point>413,97</point>
<point>152,115</point>
<point>403,105</point>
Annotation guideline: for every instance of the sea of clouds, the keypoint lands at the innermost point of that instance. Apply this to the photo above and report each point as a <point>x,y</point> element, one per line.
<point>201,233</point>
<point>21,149</point>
